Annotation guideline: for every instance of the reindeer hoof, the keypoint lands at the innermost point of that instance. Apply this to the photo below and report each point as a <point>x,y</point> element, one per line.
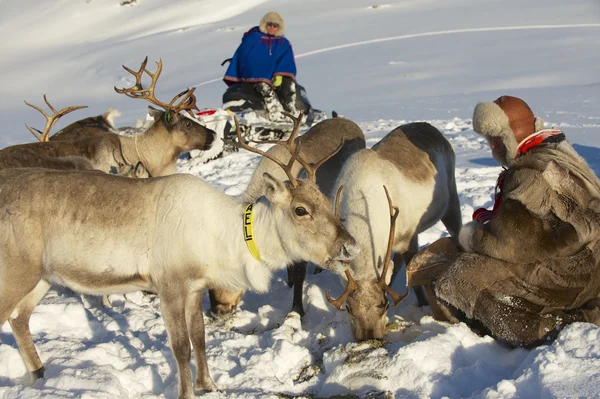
<point>206,386</point>
<point>298,309</point>
<point>38,374</point>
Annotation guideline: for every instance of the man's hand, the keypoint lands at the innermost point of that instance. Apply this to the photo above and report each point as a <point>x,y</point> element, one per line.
<point>277,80</point>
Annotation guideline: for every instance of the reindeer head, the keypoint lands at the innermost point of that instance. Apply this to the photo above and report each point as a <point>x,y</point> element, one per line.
<point>309,229</point>
<point>184,132</point>
<point>366,299</point>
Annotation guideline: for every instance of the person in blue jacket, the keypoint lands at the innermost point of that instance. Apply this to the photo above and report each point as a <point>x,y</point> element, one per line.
<point>265,59</point>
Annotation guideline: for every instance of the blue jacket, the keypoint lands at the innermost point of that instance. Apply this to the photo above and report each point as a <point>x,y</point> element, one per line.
<point>259,58</point>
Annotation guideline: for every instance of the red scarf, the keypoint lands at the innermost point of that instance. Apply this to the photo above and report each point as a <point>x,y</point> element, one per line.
<point>536,139</point>
<point>483,215</point>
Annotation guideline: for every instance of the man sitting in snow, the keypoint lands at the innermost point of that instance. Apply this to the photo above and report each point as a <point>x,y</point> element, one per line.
<point>531,264</point>
<point>265,59</point>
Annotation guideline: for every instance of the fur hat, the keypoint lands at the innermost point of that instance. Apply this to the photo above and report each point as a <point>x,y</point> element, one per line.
<point>508,118</point>
<point>274,18</point>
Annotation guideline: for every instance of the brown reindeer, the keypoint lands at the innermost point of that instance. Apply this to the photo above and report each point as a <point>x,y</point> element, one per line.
<point>316,144</point>
<point>158,148</point>
<point>29,159</point>
<point>90,126</point>
<point>50,119</point>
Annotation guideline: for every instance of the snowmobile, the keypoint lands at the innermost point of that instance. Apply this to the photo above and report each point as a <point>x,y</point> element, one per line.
<point>242,101</point>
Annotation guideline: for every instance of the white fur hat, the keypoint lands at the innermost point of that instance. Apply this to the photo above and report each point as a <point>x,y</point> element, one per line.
<point>508,118</point>
<point>272,17</point>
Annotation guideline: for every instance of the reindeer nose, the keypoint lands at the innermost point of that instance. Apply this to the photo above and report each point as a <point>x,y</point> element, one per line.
<point>210,137</point>
<point>349,250</point>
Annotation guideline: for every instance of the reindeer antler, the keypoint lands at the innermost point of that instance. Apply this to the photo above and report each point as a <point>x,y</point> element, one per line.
<point>311,169</point>
<point>381,283</point>
<point>50,119</point>
<point>287,168</point>
<point>352,286</point>
<point>337,201</point>
<point>293,146</point>
<point>187,103</point>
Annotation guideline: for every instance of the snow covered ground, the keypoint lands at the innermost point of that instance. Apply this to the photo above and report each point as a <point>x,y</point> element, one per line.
<point>379,64</point>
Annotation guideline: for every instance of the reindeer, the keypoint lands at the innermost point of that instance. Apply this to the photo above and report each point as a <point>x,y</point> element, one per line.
<point>28,160</point>
<point>158,148</point>
<point>293,221</point>
<point>90,126</point>
<point>416,163</point>
<point>316,144</point>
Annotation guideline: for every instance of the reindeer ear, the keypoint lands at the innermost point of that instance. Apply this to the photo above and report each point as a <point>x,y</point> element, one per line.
<point>140,171</point>
<point>276,191</point>
<point>155,113</point>
<point>171,117</point>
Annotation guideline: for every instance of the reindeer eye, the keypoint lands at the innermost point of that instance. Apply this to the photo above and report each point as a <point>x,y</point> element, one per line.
<point>188,124</point>
<point>300,211</point>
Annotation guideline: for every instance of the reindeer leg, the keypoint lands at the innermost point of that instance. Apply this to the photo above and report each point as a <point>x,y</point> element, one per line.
<point>452,220</point>
<point>296,276</point>
<point>173,310</point>
<point>223,302</point>
<point>195,326</point>
<point>290,275</point>
<point>20,326</point>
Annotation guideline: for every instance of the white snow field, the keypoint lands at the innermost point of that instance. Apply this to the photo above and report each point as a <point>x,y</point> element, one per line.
<point>379,64</point>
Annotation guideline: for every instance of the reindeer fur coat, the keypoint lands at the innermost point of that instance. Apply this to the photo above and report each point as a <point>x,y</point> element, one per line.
<point>536,265</point>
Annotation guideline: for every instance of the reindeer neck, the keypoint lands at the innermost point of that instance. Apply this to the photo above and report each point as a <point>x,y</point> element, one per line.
<point>365,209</point>
<point>154,152</point>
<point>272,252</point>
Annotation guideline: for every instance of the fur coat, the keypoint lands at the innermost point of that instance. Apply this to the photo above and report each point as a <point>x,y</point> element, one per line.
<point>535,265</point>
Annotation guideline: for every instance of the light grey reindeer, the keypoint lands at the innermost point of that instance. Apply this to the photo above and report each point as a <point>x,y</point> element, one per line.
<point>316,144</point>
<point>158,148</point>
<point>163,227</point>
<point>416,164</point>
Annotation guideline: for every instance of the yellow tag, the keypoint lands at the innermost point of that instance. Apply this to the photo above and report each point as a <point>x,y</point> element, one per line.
<point>249,232</point>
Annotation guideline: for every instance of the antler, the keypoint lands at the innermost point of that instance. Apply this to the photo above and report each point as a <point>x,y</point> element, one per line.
<point>187,103</point>
<point>292,146</point>
<point>287,168</point>
<point>311,169</point>
<point>50,120</point>
<point>352,286</point>
<point>337,201</point>
<point>381,283</point>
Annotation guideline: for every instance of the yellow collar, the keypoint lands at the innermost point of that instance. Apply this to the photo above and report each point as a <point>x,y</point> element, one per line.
<point>249,232</point>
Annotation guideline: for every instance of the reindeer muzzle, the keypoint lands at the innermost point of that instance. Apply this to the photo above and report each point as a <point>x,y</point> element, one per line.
<point>348,251</point>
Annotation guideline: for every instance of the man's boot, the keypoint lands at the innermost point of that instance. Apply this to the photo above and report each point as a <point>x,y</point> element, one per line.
<point>272,104</point>
<point>287,95</point>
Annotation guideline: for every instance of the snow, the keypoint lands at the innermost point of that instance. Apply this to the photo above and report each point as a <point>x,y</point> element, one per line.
<point>380,65</point>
